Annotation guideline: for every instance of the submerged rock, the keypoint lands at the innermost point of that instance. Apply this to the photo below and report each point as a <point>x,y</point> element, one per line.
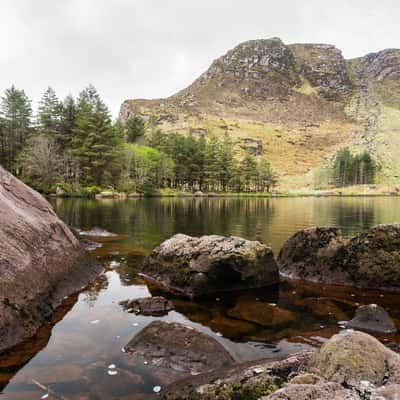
<point>263,314</point>
<point>370,260</point>
<point>201,266</point>
<point>41,261</point>
<point>176,350</point>
<point>156,306</point>
<point>372,318</point>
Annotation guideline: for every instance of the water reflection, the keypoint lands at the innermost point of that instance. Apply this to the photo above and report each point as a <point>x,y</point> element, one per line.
<point>72,356</point>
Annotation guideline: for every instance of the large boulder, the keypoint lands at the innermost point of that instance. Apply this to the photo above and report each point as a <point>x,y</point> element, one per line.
<point>201,266</point>
<point>352,357</point>
<point>314,254</point>
<point>175,351</point>
<point>370,260</point>
<point>41,261</point>
<point>372,318</point>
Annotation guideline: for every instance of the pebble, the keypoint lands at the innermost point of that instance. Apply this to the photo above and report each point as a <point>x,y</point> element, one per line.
<point>135,324</point>
<point>123,350</point>
<point>157,389</point>
<point>112,372</point>
<point>45,396</point>
<point>94,322</point>
<point>219,334</point>
<point>111,366</point>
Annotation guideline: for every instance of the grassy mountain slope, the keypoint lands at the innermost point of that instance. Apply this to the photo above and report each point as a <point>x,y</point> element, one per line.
<point>296,103</point>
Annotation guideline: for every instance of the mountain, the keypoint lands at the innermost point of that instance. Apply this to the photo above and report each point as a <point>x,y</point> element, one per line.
<point>297,103</point>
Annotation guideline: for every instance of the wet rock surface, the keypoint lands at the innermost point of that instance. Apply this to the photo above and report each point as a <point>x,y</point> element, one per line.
<point>41,261</point>
<point>202,266</point>
<point>155,306</point>
<point>372,318</point>
<point>314,254</point>
<point>176,350</point>
<point>351,365</point>
<point>370,260</point>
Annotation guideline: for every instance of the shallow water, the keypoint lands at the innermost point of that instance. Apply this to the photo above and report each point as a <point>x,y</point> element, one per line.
<point>71,353</point>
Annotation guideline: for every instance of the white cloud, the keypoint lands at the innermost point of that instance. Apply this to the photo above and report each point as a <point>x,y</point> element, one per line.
<point>152,48</point>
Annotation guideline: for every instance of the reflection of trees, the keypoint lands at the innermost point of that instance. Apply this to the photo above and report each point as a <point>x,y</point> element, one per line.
<point>92,292</point>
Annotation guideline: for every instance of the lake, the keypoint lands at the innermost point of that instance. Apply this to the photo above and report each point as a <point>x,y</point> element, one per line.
<point>70,354</point>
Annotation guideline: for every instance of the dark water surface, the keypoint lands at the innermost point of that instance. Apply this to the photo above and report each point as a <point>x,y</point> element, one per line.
<point>71,353</point>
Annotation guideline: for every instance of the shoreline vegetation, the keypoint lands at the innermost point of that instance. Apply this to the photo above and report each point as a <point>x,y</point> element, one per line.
<point>358,191</point>
<point>73,148</point>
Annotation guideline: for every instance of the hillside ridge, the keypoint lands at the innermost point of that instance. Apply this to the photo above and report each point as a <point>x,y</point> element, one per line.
<point>302,102</point>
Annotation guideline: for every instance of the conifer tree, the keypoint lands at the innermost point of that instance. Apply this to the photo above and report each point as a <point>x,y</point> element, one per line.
<point>15,114</point>
<point>96,142</point>
<point>50,115</point>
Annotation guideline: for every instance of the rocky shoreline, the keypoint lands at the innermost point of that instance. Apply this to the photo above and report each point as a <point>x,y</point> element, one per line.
<point>43,262</point>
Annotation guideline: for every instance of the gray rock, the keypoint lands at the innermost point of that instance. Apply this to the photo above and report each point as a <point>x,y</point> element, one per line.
<point>156,306</point>
<point>202,266</point>
<point>41,261</point>
<point>372,318</point>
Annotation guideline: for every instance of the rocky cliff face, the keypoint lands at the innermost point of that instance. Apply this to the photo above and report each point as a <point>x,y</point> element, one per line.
<point>41,261</point>
<point>303,100</point>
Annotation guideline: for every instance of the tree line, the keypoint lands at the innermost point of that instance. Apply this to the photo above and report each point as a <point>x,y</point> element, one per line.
<point>353,169</point>
<point>74,144</point>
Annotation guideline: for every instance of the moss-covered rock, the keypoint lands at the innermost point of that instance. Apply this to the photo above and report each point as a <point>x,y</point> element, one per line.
<point>352,357</point>
<point>201,266</point>
<point>369,260</point>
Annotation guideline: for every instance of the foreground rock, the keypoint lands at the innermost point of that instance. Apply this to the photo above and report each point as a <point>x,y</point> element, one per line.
<point>210,264</point>
<point>372,318</point>
<point>155,306</point>
<point>370,260</point>
<point>351,366</point>
<point>41,261</point>
<point>176,350</point>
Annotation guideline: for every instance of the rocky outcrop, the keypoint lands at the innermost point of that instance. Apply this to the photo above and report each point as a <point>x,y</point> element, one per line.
<point>351,365</point>
<point>369,260</point>
<point>41,261</point>
<point>202,266</point>
<point>324,68</point>
<point>155,306</point>
<point>372,318</point>
<point>176,350</point>
<point>381,65</point>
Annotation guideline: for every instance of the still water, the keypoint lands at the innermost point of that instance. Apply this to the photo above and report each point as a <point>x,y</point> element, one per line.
<point>70,354</point>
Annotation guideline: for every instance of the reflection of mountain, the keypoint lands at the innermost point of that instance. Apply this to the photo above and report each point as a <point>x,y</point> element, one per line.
<point>12,361</point>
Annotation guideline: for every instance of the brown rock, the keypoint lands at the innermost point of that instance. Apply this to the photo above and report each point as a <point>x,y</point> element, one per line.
<point>41,261</point>
<point>176,349</point>
<point>264,314</point>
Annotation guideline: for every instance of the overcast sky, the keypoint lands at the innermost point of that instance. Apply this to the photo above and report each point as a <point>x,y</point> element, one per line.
<point>153,48</point>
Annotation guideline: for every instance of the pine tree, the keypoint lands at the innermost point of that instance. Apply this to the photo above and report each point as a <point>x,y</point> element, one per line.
<point>211,162</point>
<point>226,161</point>
<point>96,142</point>
<point>50,115</point>
<point>135,128</point>
<point>16,114</point>
<point>249,174</point>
